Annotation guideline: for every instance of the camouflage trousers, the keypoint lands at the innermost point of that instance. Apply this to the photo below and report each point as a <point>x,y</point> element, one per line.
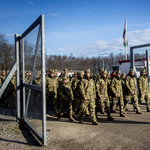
<point>83,108</point>
<point>65,103</point>
<point>76,104</point>
<point>103,104</point>
<point>134,99</point>
<point>146,97</point>
<point>51,97</point>
<point>121,103</point>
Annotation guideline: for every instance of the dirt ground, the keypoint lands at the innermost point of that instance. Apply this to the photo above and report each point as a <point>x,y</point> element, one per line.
<point>129,133</point>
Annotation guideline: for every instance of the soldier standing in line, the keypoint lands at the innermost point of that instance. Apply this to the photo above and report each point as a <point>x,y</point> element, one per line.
<point>123,89</point>
<point>51,91</point>
<point>66,97</point>
<point>116,88</point>
<point>144,89</point>
<point>77,97</point>
<point>131,85</point>
<point>74,78</point>
<point>102,96</point>
<point>87,91</point>
<point>100,74</point>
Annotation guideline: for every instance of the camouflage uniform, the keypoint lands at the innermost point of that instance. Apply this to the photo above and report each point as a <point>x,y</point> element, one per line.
<point>131,85</point>
<point>51,91</point>
<point>100,74</point>
<point>74,78</point>
<point>66,97</point>
<point>144,89</point>
<point>87,91</point>
<point>102,96</point>
<point>116,88</point>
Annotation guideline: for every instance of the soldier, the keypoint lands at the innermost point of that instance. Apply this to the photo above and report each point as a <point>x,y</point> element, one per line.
<point>131,85</point>
<point>102,96</point>
<point>75,77</point>
<point>55,76</point>
<point>66,98</point>
<point>123,89</point>
<point>51,91</point>
<point>3,76</point>
<point>88,94</point>
<point>116,88</point>
<point>60,81</point>
<point>144,89</point>
<point>100,73</point>
<point>91,76</point>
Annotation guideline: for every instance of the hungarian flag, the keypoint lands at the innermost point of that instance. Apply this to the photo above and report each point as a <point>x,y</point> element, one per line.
<point>125,42</point>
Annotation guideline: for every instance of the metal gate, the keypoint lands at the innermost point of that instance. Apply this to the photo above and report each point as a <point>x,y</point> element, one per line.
<point>34,97</point>
<point>30,93</point>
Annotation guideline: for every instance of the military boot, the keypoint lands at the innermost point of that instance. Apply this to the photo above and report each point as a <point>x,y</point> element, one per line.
<point>71,119</point>
<point>95,122</point>
<point>113,111</point>
<point>102,111</point>
<point>58,116</point>
<point>122,115</point>
<point>109,117</point>
<point>138,112</point>
<point>80,120</point>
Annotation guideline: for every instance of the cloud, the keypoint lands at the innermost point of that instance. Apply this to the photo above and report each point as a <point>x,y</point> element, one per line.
<point>137,37</point>
<point>31,3</point>
<point>53,14</point>
<point>61,49</point>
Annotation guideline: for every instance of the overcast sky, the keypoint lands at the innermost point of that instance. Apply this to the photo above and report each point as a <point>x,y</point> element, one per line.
<point>81,27</point>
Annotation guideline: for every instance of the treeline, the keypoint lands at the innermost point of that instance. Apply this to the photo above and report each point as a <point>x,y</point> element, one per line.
<point>7,58</point>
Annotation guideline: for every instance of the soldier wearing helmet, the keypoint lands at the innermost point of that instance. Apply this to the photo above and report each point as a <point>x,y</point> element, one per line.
<point>131,86</point>
<point>144,89</point>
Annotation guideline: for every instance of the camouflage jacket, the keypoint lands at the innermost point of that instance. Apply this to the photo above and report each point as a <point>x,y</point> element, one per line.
<point>101,87</point>
<point>116,86</point>
<point>124,89</point>
<point>87,88</point>
<point>51,86</point>
<point>37,81</point>
<point>131,85</point>
<point>65,91</point>
<point>143,84</point>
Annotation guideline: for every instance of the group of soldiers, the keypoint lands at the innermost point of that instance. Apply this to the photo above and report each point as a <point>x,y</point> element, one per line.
<point>8,96</point>
<point>102,93</point>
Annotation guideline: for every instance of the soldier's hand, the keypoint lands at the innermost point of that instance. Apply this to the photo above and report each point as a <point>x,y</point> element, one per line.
<point>47,93</point>
<point>115,95</point>
<point>100,96</point>
<point>85,98</point>
<point>72,99</point>
<point>132,93</point>
<point>141,93</point>
<point>66,99</point>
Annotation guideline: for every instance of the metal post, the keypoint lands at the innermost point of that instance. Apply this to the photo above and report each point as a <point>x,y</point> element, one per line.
<point>43,78</point>
<point>17,50</point>
<point>131,58</point>
<point>147,65</point>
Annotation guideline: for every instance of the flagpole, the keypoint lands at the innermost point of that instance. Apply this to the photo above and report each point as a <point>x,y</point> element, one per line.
<point>126,39</point>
